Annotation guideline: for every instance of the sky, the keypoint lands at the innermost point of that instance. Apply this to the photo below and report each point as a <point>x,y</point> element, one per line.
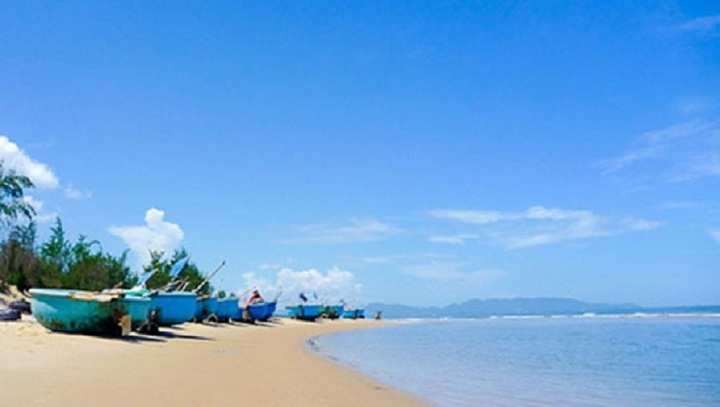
<point>421,153</point>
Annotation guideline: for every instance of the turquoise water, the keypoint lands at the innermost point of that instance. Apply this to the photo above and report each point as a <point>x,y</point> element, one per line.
<point>598,362</point>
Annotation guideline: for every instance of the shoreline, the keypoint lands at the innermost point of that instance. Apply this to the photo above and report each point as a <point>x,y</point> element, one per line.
<point>191,364</point>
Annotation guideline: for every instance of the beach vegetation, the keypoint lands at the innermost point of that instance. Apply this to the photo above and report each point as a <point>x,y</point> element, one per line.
<point>59,262</point>
<point>161,264</point>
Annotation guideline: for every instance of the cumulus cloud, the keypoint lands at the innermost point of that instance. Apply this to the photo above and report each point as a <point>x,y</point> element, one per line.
<point>359,230</point>
<point>157,235</point>
<point>332,285</point>
<point>539,225</point>
<point>13,157</point>
<point>681,152</point>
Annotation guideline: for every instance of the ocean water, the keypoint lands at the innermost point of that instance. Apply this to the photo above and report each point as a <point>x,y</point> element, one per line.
<point>592,361</point>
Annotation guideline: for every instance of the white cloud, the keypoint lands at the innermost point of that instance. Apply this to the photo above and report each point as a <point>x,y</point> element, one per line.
<point>538,225</point>
<point>15,158</point>
<point>466,216</point>
<point>706,24</point>
<point>332,285</point>
<point>451,239</point>
<point>73,193</point>
<point>157,235</point>
<point>682,152</point>
<point>359,230</point>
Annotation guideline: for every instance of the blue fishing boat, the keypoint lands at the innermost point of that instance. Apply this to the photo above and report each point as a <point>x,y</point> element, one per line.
<point>172,308</point>
<point>271,307</point>
<point>206,307</point>
<point>354,313</point>
<point>228,309</point>
<point>88,312</point>
<point>256,311</point>
<point>306,312</point>
<point>333,311</point>
<point>292,310</point>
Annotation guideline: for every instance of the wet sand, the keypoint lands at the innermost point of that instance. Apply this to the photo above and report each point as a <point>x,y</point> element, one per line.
<point>188,365</point>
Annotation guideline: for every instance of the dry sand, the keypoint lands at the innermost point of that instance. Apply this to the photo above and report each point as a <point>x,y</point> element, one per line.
<point>188,365</point>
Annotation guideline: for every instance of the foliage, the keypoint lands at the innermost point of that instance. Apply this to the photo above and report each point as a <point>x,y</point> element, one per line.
<point>12,194</point>
<point>190,275</point>
<point>60,263</point>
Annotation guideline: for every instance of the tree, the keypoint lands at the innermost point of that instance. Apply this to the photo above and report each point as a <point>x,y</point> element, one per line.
<point>57,252</point>
<point>12,194</point>
<point>190,274</point>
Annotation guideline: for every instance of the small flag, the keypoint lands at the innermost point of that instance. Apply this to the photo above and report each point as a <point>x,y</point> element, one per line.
<point>303,297</point>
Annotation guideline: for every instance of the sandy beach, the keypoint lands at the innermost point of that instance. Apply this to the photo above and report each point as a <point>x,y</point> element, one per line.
<point>187,365</point>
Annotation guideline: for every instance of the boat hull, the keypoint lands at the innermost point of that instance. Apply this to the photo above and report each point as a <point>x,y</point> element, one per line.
<point>269,311</point>
<point>353,313</point>
<point>87,312</point>
<point>305,312</point>
<point>228,309</point>
<point>205,308</point>
<point>257,311</point>
<point>169,308</point>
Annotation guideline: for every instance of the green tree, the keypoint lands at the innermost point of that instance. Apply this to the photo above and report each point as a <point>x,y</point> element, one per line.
<point>56,253</point>
<point>12,194</point>
<point>190,275</point>
<point>19,264</point>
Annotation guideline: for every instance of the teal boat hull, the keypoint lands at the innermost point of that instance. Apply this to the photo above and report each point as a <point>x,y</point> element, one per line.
<point>305,312</point>
<point>86,312</point>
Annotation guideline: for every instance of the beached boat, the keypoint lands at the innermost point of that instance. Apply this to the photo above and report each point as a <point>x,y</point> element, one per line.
<point>255,312</point>
<point>353,313</point>
<point>88,312</point>
<point>271,307</point>
<point>206,307</point>
<point>305,312</point>
<point>172,308</point>
<point>333,311</point>
<point>228,309</point>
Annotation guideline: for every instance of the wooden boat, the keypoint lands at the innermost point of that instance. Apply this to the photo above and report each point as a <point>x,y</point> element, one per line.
<point>206,307</point>
<point>228,309</point>
<point>88,312</point>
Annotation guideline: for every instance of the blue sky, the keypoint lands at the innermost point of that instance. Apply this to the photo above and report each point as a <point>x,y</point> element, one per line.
<point>411,152</point>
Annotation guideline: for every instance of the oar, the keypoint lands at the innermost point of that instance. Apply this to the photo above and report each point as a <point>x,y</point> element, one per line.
<point>197,289</point>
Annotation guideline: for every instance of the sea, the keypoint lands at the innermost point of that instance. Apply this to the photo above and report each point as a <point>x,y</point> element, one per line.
<point>593,361</point>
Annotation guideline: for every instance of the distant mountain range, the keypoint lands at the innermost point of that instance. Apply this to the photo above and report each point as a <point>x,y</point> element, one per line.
<point>483,308</point>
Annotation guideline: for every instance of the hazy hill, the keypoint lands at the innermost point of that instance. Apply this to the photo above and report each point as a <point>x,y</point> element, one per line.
<point>480,308</point>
